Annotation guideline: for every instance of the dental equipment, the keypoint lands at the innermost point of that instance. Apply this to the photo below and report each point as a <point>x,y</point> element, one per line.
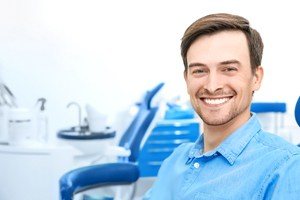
<point>79,115</point>
<point>122,172</point>
<point>297,111</point>
<point>7,97</point>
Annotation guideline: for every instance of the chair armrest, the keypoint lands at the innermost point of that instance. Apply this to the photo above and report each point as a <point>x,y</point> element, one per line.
<point>97,175</point>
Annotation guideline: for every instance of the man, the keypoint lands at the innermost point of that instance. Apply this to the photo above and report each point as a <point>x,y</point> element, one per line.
<point>233,158</point>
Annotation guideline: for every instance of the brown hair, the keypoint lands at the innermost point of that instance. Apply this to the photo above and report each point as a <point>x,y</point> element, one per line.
<point>215,23</point>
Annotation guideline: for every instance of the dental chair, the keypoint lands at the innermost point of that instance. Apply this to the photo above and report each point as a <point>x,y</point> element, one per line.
<point>297,112</point>
<point>125,171</point>
<point>271,115</point>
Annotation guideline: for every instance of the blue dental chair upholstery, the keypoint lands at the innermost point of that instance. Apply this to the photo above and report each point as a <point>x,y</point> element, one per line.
<point>271,115</point>
<point>122,172</point>
<point>297,112</point>
<point>265,107</point>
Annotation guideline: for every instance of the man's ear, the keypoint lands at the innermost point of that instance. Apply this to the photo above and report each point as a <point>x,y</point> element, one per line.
<point>258,76</point>
<point>186,80</point>
<point>185,75</point>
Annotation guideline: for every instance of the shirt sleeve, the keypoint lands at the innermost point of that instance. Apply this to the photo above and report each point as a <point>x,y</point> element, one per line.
<point>285,182</point>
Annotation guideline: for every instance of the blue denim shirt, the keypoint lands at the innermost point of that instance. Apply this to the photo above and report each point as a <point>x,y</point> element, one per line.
<point>249,164</point>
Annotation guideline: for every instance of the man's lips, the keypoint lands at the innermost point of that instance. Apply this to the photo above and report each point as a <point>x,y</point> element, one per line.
<point>216,100</point>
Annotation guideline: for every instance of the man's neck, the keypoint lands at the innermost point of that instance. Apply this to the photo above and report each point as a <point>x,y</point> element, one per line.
<point>215,135</point>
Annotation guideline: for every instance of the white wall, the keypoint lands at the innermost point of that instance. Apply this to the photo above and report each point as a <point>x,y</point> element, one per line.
<point>107,53</point>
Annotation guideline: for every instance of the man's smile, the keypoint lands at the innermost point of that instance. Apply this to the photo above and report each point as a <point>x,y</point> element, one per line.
<point>215,101</point>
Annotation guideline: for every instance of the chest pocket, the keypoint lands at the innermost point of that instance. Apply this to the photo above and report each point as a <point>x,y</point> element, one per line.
<point>204,196</point>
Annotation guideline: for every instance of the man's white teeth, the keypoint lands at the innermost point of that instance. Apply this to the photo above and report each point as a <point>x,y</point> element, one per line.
<point>216,101</point>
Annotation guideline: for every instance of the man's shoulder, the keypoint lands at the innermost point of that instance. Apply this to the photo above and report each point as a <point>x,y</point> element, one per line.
<point>184,148</point>
<point>277,144</point>
<point>180,153</point>
<point>280,163</point>
<point>178,157</point>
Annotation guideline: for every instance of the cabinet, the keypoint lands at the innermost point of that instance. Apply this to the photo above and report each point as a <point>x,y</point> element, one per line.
<point>33,172</point>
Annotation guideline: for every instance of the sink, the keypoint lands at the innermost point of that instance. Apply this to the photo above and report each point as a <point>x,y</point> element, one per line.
<point>82,133</point>
<point>87,142</point>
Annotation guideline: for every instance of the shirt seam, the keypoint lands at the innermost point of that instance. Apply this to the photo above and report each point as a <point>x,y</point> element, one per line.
<point>260,141</point>
<point>284,160</point>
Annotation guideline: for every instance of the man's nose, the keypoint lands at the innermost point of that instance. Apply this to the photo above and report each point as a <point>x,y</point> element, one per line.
<point>213,82</point>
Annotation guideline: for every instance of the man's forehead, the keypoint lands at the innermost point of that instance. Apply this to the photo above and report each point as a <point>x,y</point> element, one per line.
<point>219,47</point>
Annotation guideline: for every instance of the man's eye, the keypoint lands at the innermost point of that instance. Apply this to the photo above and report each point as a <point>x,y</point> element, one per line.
<point>198,71</point>
<point>230,69</point>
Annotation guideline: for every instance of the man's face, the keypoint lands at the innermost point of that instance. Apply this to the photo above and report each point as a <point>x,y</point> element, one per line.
<point>219,78</point>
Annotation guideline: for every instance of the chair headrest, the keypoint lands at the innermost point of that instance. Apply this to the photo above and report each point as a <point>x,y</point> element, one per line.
<point>264,107</point>
<point>150,94</point>
<point>297,111</point>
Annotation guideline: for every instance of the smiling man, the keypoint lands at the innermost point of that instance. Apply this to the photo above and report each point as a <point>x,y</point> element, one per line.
<point>233,157</point>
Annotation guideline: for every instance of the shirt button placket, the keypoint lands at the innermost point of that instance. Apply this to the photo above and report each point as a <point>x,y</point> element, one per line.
<point>189,178</point>
<point>196,165</point>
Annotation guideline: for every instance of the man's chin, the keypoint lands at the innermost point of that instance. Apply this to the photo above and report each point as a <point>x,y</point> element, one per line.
<point>215,122</point>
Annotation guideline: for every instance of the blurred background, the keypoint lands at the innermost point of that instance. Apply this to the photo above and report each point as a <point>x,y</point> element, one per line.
<point>107,53</point>
<point>102,56</point>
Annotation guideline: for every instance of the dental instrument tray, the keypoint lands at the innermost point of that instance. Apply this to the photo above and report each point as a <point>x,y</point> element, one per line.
<point>72,134</point>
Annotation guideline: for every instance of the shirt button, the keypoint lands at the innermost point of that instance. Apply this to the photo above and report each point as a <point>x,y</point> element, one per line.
<point>196,165</point>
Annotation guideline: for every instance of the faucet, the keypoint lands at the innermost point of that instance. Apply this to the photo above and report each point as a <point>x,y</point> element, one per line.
<point>79,112</point>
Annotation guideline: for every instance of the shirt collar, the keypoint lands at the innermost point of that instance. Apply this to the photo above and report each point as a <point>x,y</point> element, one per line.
<point>233,145</point>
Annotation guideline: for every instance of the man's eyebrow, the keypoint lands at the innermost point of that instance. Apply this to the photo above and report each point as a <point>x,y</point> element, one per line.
<point>196,65</point>
<point>227,62</point>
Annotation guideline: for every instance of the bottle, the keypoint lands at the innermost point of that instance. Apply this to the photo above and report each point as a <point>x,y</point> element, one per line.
<point>21,127</point>
<point>42,122</point>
